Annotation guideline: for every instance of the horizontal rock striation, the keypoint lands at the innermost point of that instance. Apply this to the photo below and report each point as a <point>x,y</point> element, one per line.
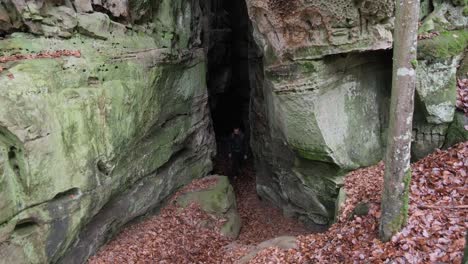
<point>110,119</point>
<point>320,101</point>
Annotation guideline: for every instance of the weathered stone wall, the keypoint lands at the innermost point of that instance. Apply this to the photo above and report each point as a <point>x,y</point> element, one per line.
<point>438,59</point>
<point>320,102</point>
<point>93,140</point>
<point>104,106</point>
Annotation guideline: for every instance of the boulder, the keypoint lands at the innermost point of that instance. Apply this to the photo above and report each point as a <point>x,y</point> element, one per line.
<point>320,98</point>
<point>117,8</point>
<point>218,200</point>
<point>458,130</point>
<point>83,6</point>
<point>437,68</point>
<point>96,128</point>
<point>99,25</point>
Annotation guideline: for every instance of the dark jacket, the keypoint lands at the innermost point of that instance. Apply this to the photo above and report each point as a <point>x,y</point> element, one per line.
<point>237,143</point>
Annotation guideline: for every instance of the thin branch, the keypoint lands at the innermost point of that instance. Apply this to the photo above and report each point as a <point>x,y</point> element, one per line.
<point>451,207</point>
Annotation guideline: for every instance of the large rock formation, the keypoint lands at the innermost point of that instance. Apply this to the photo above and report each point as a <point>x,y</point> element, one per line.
<point>104,105</point>
<point>320,100</point>
<point>438,59</point>
<point>219,201</point>
<point>103,115</point>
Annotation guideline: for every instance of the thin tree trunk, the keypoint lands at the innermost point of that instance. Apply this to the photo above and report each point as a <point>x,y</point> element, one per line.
<point>465,254</point>
<point>395,194</point>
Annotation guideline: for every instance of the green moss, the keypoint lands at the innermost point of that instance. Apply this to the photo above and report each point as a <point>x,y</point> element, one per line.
<point>232,226</point>
<point>425,8</point>
<point>414,63</point>
<point>446,45</point>
<point>456,131</point>
<point>218,200</point>
<point>405,198</point>
<point>308,66</point>
<point>446,94</point>
<point>400,220</point>
<point>97,108</point>
<point>361,209</point>
<point>460,2</point>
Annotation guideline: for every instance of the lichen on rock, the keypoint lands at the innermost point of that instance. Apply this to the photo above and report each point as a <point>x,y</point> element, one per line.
<point>322,107</point>
<point>92,141</point>
<point>218,200</point>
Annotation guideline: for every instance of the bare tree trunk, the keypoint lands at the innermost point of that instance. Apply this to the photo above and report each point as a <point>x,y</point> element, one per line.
<point>395,194</point>
<point>465,254</point>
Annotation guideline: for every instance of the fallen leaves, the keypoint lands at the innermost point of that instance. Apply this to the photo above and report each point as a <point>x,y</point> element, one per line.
<point>40,55</point>
<point>428,35</point>
<point>261,220</point>
<point>462,95</point>
<point>434,234</point>
<point>176,235</point>
<point>179,235</point>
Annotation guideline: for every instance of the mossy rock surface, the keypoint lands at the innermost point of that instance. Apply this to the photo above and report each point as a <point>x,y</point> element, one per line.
<point>218,200</point>
<point>443,46</point>
<point>322,110</point>
<point>91,141</point>
<point>458,130</point>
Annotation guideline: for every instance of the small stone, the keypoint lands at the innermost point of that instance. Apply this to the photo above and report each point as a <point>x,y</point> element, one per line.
<point>361,209</point>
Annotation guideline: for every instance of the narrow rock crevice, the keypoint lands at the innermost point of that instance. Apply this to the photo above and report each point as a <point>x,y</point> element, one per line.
<point>229,44</point>
<point>234,74</point>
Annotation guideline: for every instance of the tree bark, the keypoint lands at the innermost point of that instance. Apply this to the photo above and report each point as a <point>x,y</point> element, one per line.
<point>397,177</point>
<point>465,254</point>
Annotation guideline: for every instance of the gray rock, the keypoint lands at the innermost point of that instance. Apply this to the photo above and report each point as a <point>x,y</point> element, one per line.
<point>83,6</point>
<point>219,201</point>
<point>89,142</point>
<point>319,109</point>
<point>99,25</point>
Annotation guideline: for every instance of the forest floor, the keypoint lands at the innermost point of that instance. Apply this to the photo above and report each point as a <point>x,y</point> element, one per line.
<point>436,227</point>
<point>261,220</point>
<point>173,236</point>
<point>438,220</point>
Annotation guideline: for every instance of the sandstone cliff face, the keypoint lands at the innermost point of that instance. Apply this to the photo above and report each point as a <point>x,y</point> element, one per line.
<point>102,131</point>
<point>320,100</point>
<point>104,106</point>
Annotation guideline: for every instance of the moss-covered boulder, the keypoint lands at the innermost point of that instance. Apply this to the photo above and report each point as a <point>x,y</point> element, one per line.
<point>439,65</point>
<point>97,126</point>
<point>218,200</point>
<point>458,130</point>
<point>323,118</point>
<point>320,99</point>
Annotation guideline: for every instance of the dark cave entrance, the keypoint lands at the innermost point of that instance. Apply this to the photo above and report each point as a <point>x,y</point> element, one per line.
<point>228,66</point>
<point>233,60</point>
<point>229,41</point>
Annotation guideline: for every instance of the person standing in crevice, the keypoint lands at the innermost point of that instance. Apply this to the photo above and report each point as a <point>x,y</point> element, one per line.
<point>237,151</point>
